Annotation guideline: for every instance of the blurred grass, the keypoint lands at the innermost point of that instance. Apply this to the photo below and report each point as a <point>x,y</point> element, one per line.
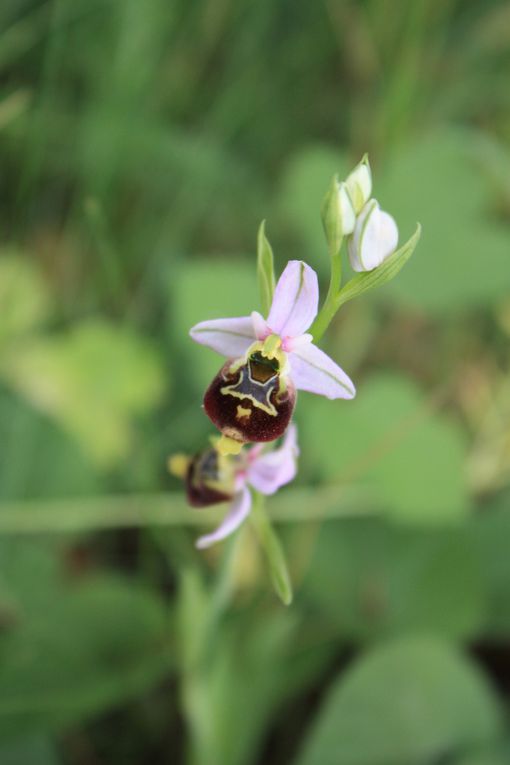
<point>140,145</point>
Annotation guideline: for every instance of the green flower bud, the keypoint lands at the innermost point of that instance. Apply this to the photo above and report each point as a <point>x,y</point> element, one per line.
<point>338,217</point>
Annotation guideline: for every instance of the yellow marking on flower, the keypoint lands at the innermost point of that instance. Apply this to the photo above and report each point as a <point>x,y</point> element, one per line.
<point>227,445</point>
<point>178,465</point>
<point>242,413</point>
<point>270,346</point>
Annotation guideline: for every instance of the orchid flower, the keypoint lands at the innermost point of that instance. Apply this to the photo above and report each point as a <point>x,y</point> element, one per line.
<point>253,395</point>
<point>212,478</point>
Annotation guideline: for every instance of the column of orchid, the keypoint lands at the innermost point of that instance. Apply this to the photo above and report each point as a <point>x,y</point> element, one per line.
<point>253,397</point>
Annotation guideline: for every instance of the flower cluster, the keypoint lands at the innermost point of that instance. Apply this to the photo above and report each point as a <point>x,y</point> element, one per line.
<point>267,360</point>
<point>350,211</point>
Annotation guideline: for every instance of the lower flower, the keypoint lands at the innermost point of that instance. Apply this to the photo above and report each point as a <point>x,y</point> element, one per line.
<point>212,478</point>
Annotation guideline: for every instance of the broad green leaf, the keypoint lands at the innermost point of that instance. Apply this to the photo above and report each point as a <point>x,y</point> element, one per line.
<point>38,459</point>
<point>24,297</point>
<point>33,750</point>
<point>388,436</point>
<point>71,650</point>
<point>93,380</point>
<point>384,273</point>
<point>490,534</point>
<point>273,551</point>
<point>265,269</point>
<point>440,180</point>
<point>408,702</point>
<point>373,579</point>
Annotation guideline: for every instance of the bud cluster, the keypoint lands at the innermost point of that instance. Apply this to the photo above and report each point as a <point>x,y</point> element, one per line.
<point>349,211</point>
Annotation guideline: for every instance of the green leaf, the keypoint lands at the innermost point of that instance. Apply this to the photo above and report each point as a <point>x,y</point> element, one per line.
<point>388,437</point>
<point>372,579</point>
<point>384,273</point>
<point>71,650</point>
<point>25,302</point>
<point>441,180</point>
<point>272,547</point>
<point>408,702</point>
<point>265,269</point>
<point>93,380</point>
<point>490,532</point>
<point>34,750</point>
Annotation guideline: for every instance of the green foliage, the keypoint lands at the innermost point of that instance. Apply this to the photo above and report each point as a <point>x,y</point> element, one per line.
<point>384,273</point>
<point>209,290</point>
<point>464,252</point>
<point>141,143</point>
<point>420,700</point>
<point>30,751</point>
<point>24,298</point>
<point>92,380</point>
<point>273,551</point>
<point>306,177</point>
<point>372,579</point>
<point>72,649</point>
<point>265,269</point>
<point>490,534</point>
<point>412,458</point>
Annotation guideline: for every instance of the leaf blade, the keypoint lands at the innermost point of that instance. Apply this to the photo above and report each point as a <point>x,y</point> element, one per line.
<point>384,273</point>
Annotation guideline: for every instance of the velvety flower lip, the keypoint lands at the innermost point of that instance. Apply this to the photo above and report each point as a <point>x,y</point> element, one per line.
<point>264,471</point>
<point>294,307</point>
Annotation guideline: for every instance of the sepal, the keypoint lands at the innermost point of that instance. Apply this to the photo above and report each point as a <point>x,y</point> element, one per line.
<point>265,269</point>
<point>338,216</point>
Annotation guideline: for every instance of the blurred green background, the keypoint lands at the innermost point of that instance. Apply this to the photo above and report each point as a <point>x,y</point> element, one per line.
<point>141,143</point>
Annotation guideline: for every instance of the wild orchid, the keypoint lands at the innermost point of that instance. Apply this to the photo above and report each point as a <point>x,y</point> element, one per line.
<point>211,478</point>
<point>253,395</point>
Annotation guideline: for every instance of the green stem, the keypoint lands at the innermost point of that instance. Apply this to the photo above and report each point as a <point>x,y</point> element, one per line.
<point>201,611</point>
<point>330,305</point>
<point>273,549</point>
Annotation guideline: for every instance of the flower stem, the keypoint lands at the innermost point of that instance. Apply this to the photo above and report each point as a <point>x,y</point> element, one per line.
<point>273,549</point>
<point>330,305</point>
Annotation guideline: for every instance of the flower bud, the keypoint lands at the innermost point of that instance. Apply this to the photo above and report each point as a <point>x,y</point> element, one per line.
<point>338,217</point>
<point>359,185</point>
<point>251,400</point>
<point>374,239</point>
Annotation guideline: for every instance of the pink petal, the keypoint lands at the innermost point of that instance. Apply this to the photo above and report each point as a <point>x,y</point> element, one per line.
<point>274,469</point>
<point>230,337</point>
<point>312,370</point>
<point>260,328</point>
<point>295,301</point>
<point>239,510</point>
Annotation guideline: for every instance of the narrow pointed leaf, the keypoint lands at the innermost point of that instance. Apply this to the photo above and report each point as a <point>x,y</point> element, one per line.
<point>265,269</point>
<point>380,275</point>
<point>272,547</point>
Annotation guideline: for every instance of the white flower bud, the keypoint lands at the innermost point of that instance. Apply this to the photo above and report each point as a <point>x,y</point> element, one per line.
<point>374,239</point>
<point>359,185</point>
<point>338,215</point>
<point>346,214</point>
